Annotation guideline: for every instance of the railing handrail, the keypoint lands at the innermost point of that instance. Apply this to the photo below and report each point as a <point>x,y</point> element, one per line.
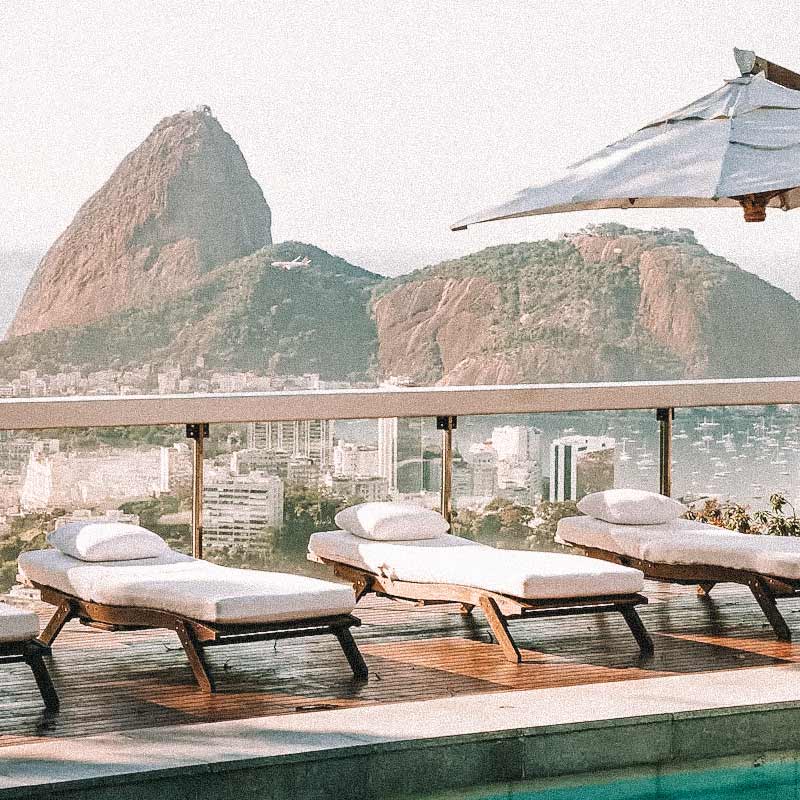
<point>38,413</point>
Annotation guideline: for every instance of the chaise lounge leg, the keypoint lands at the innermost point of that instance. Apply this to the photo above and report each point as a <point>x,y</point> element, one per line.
<point>704,588</point>
<point>351,651</point>
<point>643,638</point>
<point>63,614</point>
<point>499,625</point>
<point>197,661</point>
<point>766,600</point>
<point>33,658</point>
<point>361,587</point>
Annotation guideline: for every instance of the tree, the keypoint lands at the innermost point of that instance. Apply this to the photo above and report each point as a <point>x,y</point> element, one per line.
<point>505,523</point>
<point>307,510</point>
<point>547,516</point>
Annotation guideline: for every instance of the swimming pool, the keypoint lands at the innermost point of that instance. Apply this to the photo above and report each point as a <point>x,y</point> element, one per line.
<point>751,779</point>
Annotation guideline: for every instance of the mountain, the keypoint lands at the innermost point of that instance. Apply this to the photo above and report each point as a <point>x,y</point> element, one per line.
<point>247,314</point>
<point>608,303</point>
<point>172,260</point>
<point>16,268</point>
<point>180,204</point>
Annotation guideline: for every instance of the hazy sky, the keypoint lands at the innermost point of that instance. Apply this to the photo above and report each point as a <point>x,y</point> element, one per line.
<point>372,126</point>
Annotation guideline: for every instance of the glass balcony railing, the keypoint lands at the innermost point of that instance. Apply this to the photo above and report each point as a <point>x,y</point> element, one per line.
<point>503,463</point>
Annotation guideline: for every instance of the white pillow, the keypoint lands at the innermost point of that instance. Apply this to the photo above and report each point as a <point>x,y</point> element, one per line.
<point>103,540</point>
<point>631,507</point>
<point>386,522</point>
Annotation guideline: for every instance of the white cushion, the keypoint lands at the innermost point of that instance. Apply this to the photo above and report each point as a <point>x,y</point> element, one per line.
<point>451,559</point>
<point>188,586</point>
<point>17,624</point>
<point>631,507</point>
<point>687,542</point>
<point>392,522</point>
<point>102,540</point>
<point>629,540</point>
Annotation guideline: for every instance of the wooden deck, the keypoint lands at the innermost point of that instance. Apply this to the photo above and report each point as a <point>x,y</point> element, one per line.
<point>116,682</point>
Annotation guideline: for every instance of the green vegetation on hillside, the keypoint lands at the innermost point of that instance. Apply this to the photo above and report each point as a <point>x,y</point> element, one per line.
<point>307,319</point>
<point>560,318</point>
<point>245,315</point>
<point>609,303</point>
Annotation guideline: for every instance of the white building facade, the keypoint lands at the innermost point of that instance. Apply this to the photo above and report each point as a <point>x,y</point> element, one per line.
<point>578,462</point>
<point>519,470</point>
<point>58,479</point>
<point>309,438</point>
<point>400,454</point>
<point>239,509</point>
<point>351,459</point>
<point>483,462</point>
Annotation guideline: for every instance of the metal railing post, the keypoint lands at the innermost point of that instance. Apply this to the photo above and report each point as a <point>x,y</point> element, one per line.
<point>197,432</point>
<point>665,417</point>
<point>447,425</point>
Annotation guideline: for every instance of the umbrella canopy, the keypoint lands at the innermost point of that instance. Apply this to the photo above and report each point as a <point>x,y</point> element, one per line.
<point>738,146</point>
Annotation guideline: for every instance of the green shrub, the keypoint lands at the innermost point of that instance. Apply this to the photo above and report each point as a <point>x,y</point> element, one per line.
<point>780,519</point>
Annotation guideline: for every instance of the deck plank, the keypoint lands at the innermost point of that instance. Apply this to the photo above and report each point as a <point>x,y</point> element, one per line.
<point>122,681</point>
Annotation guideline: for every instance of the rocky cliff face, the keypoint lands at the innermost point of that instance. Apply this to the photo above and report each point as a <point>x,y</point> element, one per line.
<point>180,204</point>
<point>609,303</point>
<point>428,328</point>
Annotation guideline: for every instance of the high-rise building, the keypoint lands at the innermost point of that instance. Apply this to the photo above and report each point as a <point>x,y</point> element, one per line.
<point>483,461</point>
<point>70,480</point>
<point>580,465</point>
<point>271,462</point>
<point>16,450</point>
<point>400,454</point>
<point>516,443</point>
<point>462,477</point>
<point>521,482</point>
<point>351,459</point>
<point>519,472</point>
<point>302,471</point>
<point>308,438</point>
<point>176,469</point>
<point>238,510</point>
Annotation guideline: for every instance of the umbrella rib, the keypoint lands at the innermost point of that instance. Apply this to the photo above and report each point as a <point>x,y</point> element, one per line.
<point>687,159</point>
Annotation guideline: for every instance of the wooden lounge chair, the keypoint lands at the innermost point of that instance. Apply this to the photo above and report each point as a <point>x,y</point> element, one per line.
<point>146,604</point>
<point>18,629</point>
<point>691,553</point>
<point>473,575</point>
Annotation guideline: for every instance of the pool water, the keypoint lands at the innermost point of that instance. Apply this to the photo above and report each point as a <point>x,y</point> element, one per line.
<point>752,780</point>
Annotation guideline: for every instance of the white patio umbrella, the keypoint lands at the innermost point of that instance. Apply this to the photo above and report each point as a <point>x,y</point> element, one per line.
<point>739,145</point>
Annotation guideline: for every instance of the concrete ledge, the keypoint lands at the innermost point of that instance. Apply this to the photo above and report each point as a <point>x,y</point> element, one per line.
<point>413,767</point>
<point>423,747</point>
